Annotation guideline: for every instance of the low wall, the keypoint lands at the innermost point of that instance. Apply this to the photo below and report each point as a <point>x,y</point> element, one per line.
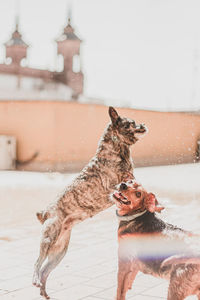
<point>66,134</point>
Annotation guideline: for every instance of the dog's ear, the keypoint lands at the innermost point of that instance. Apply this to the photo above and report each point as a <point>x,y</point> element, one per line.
<point>150,203</point>
<point>115,118</point>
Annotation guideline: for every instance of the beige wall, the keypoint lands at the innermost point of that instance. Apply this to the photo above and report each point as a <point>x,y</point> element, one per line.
<point>66,133</point>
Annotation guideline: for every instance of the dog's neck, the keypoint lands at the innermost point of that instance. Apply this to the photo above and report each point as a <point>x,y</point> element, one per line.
<point>128,218</point>
<point>111,144</point>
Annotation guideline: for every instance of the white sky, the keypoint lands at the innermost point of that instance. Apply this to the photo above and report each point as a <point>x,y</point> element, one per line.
<point>139,53</point>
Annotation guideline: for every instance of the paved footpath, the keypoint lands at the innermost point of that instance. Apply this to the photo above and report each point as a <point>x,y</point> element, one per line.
<point>89,269</point>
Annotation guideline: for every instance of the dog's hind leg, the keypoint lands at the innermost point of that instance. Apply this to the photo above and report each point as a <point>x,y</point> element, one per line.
<point>50,234</point>
<point>178,288</point>
<point>172,295</point>
<point>43,254</point>
<point>55,255</point>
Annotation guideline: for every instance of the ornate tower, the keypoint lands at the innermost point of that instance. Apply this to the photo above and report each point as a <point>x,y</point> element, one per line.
<point>16,48</point>
<point>68,45</point>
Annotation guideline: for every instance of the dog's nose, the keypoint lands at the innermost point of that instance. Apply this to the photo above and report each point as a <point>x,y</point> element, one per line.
<point>142,126</point>
<point>123,186</point>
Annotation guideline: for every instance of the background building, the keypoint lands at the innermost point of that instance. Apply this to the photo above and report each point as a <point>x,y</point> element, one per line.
<point>19,81</point>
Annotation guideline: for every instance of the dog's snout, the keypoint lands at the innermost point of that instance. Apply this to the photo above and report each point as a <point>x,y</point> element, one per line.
<point>123,186</point>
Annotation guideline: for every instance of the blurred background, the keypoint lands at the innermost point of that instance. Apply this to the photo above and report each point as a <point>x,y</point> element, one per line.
<point>77,57</point>
<point>137,53</point>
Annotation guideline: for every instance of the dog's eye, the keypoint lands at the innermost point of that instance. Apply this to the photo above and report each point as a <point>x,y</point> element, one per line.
<point>127,125</point>
<point>134,124</point>
<point>138,194</point>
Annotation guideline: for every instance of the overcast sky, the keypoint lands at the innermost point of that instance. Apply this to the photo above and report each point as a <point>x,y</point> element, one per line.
<point>139,53</point>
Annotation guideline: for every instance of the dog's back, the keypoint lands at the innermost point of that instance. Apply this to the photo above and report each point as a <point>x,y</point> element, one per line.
<point>151,240</point>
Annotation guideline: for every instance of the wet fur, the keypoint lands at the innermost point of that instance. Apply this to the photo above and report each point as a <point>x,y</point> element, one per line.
<point>183,276</point>
<point>87,195</point>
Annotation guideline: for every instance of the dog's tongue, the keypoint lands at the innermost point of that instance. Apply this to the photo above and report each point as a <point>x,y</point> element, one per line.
<point>116,195</point>
<point>122,200</point>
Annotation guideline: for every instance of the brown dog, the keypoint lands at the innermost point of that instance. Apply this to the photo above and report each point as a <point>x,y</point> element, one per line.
<point>149,245</point>
<point>87,195</point>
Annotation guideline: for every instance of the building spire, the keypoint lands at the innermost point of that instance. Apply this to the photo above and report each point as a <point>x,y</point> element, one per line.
<point>16,38</point>
<point>68,32</point>
<point>17,14</point>
<point>17,23</point>
<point>69,15</point>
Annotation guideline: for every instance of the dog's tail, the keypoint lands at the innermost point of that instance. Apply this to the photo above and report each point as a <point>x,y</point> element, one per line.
<point>42,216</point>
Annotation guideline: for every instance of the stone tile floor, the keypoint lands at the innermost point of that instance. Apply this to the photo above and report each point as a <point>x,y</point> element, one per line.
<point>89,269</point>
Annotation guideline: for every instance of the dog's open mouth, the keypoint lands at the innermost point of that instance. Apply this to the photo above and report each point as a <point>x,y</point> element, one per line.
<point>141,130</point>
<point>121,198</point>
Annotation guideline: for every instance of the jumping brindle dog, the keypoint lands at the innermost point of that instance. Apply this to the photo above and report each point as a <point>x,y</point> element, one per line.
<point>87,195</point>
